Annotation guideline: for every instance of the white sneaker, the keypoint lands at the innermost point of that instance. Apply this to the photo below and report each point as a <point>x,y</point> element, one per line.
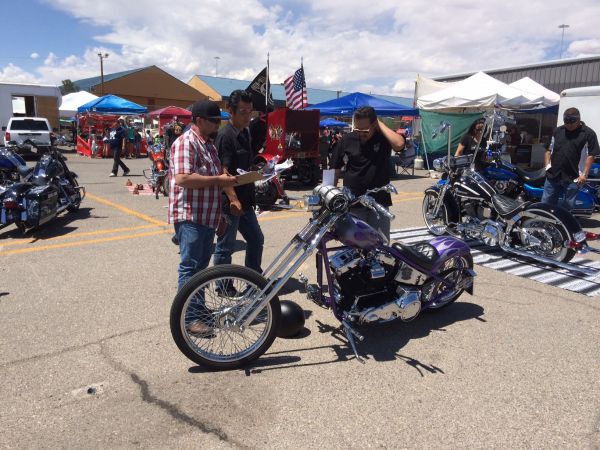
<point>112,174</point>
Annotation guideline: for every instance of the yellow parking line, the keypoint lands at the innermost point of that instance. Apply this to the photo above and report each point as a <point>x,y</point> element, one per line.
<point>126,210</point>
<point>81,243</point>
<point>76,235</point>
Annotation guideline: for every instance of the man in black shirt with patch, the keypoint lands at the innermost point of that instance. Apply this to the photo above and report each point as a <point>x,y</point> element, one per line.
<point>568,143</point>
<point>235,152</point>
<point>362,157</point>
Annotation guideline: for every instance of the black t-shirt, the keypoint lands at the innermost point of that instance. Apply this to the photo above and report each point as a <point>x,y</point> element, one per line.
<point>367,165</point>
<point>235,153</point>
<point>566,151</point>
<point>258,134</point>
<point>469,147</point>
<point>116,137</point>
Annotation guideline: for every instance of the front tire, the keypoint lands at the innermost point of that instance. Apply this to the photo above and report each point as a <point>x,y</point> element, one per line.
<point>208,297</point>
<point>436,224</point>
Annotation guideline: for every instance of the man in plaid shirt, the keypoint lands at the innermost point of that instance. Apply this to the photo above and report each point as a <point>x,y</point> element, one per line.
<point>195,184</point>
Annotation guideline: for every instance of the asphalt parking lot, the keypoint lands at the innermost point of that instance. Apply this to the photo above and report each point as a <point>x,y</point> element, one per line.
<point>87,359</point>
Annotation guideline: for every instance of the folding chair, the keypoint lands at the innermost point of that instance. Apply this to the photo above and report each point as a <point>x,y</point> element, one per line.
<point>406,160</point>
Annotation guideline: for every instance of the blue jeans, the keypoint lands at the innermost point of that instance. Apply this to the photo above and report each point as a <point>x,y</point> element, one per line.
<point>248,226</point>
<point>554,189</point>
<point>195,249</point>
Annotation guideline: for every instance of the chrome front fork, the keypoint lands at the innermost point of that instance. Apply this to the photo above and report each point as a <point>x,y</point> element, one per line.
<point>284,266</point>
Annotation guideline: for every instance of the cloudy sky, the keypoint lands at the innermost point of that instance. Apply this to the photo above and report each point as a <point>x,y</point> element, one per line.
<point>373,46</point>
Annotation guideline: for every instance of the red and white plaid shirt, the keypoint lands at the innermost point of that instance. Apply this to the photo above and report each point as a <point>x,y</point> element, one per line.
<point>191,153</point>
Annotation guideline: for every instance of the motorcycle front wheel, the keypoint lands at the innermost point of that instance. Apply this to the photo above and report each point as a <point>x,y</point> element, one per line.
<point>75,204</point>
<point>437,224</point>
<point>552,237</point>
<point>204,311</point>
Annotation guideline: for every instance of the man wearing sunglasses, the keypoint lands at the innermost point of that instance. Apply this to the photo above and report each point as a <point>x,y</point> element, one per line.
<point>568,143</point>
<point>362,157</point>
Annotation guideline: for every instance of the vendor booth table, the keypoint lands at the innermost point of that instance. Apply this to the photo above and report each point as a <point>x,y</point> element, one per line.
<point>95,116</point>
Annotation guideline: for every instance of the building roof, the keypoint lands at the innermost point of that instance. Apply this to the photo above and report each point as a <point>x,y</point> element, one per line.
<point>224,86</point>
<point>554,62</point>
<point>87,83</point>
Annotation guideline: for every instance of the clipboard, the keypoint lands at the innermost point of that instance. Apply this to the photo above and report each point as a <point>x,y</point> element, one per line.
<point>247,178</point>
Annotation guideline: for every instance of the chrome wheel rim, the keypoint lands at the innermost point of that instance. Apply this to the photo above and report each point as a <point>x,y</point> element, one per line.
<point>436,224</point>
<point>211,304</point>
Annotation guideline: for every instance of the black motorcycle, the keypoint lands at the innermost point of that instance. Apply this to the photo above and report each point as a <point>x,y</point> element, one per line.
<point>464,204</point>
<point>50,189</point>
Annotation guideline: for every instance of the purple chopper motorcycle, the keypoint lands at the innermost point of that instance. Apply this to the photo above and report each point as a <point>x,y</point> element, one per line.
<point>363,281</point>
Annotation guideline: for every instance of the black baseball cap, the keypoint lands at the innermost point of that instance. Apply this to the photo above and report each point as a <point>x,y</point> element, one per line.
<point>206,109</point>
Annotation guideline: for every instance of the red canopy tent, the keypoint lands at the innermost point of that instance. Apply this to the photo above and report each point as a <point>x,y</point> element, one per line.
<point>166,114</point>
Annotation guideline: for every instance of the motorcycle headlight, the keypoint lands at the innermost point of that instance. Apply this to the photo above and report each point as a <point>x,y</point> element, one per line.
<point>438,164</point>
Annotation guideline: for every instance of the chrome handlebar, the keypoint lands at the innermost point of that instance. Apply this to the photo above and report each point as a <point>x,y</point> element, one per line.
<point>340,199</point>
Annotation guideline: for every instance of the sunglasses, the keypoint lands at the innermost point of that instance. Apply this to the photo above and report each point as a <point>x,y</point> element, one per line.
<point>570,119</point>
<point>362,131</point>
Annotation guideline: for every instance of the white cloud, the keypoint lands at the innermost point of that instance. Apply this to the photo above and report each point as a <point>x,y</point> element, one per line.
<point>15,74</point>
<point>34,55</point>
<point>377,46</point>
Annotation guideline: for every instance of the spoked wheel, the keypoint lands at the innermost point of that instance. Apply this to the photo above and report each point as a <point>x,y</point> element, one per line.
<point>165,186</point>
<point>204,312</point>
<point>436,223</point>
<point>438,294</point>
<point>552,237</point>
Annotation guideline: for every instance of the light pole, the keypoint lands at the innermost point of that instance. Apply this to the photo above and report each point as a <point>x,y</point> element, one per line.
<point>217,58</point>
<point>102,57</point>
<point>562,38</point>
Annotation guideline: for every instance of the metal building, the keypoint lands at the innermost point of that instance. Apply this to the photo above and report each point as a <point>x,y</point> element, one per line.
<point>555,75</point>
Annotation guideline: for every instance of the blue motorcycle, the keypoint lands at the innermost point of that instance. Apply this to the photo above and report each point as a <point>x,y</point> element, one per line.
<point>12,167</point>
<point>512,181</point>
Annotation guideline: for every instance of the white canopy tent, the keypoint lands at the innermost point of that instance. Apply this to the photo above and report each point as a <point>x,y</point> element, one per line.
<point>480,91</point>
<point>71,102</point>
<point>549,98</point>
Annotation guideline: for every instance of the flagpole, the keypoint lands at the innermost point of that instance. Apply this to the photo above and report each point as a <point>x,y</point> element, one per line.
<point>303,84</point>
<point>267,85</point>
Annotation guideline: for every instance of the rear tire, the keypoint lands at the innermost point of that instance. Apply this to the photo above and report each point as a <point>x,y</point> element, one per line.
<point>556,248</point>
<point>452,269</point>
<point>199,300</point>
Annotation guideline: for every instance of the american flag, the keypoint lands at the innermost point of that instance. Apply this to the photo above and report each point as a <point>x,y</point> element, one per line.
<point>295,90</point>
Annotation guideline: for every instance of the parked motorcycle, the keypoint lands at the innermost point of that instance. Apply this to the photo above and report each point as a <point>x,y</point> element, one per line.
<point>157,175</point>
<point>12,167</point>
<point>367,281</point>
<point>514,182</point>
<point>270,189</point>
<point>464,204</point>
<point>50,189</point>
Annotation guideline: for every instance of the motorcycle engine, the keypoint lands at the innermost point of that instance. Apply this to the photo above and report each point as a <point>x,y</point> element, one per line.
<point>375,287</point>
<point>506,187</point>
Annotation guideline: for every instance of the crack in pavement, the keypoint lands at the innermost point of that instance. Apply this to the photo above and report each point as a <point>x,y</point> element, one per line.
<point>170,408</point>
<point>78,347</point>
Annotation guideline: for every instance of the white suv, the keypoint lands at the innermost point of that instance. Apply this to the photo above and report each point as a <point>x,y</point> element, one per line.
<point>21,129</point>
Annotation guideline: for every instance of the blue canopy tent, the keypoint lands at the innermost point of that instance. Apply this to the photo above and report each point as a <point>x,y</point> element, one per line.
<point>346,105</point>
<point>111,104</point>
<point>333,123</point>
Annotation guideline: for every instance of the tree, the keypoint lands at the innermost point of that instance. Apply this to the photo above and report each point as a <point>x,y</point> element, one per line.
<point>68,87</point>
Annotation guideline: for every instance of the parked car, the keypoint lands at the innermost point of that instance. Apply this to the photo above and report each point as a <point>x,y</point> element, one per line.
<point>21,129</point>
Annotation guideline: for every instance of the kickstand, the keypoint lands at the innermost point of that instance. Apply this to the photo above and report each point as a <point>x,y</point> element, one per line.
<point>350,333</point>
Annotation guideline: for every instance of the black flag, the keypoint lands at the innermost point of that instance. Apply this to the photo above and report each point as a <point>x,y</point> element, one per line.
<point>258,89</point>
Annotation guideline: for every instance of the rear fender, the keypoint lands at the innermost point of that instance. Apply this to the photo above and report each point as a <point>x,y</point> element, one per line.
<point>449,201</point>
<point>555,214</point>
<point>448,248</point>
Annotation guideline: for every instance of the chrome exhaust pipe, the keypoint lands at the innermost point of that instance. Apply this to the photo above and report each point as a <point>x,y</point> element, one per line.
<point>552,262</point>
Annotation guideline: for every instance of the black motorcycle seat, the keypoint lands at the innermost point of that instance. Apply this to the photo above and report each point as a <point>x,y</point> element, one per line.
<point>506,206</point>
<point>534,177</point>
<point>423,253</point>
